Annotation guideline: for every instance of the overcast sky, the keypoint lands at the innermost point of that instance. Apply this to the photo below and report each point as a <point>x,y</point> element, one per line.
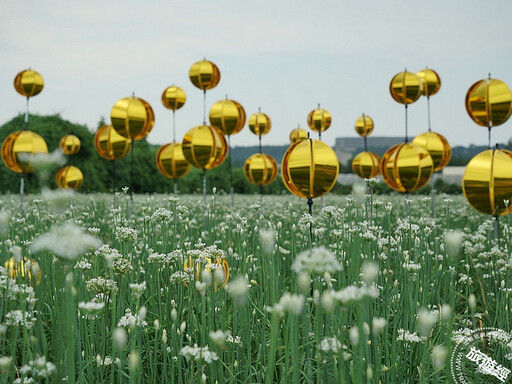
<point>284,56</point>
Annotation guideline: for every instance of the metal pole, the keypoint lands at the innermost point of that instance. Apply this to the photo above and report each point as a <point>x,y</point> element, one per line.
<point>173,126</point>
<point>22,191</point>
<point>489,136</point>
<point>204,107</point>
<point>230,164</point>
<point>406,126</point>
<point>131,181</point>
<point>496,228</point>
<point>428,110</point>
<point>26,115</point>
<point>204,188</point>
<point>175,188</point>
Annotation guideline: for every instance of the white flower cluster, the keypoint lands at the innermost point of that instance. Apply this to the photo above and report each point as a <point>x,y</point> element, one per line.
<point>317,260</point>
<point>161,214</point>
<point>408,337</point>
<point>126,234</point>
<point>219,337</point>
<point>38,368</point>
<point>329,345</point>
<point>138,289</point>
<point>198,354</point>
<point>352,293</point>
<point>101,285</point>
<point>131,320</point>
<point>67,241</point>
<point>91,308</point>
<point>166,258</point>
<point>20,318</point>
<point>288,303</point>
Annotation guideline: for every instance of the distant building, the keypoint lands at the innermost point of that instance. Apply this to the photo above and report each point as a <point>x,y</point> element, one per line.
<point>347,147</point>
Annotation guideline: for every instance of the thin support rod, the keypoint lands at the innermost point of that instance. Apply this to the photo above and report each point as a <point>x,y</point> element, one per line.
<point>496,228</point>
<point>489,135</point>
<point>22,191</point>
<point>26,115</point>
<point>204,188</point>
<point>173,126</point>
<point>114,176</point>
<point>131,180</point>
<point>310,204</point>
<point>175,187</point>
<point>319,135</point>
<point>406,205</point>
<point>365,144</point>
<point>261,200</point>
<point>428,114</point>
<point>406,126</point>
<point>230,165</point>
<point>259,145</point>
<point>204,107</point>
<point>432,197</point>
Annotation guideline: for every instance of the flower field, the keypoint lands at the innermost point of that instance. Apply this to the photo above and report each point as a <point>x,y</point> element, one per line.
<point>187,293</point>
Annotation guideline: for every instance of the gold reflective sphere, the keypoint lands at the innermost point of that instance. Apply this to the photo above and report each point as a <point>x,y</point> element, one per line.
<point>69,144</point>
<point>489,102</point>
<point>174,98</point>
<point>28,83</point>
<point>204,75</point>
<point>437,146</point>
<point>171,162</point>
<point>18,149</point>
<point>202,147</point>
<point>364,126</point>
<point>406,87</point>
<point>260,169</point>
<point>225,149</point>
<point>228,116</point>
<point>366,165</point>
<point>69,177</point>
<point>111,145</point>
<point>260,123</point>
<point>319,120</point>
<point>487,181</point>
<point>132,118</point>
<point>431,81</point>
<point>25,267</point>
<point>406,167</point>
<point>309,168</point>
<point>298,134</point>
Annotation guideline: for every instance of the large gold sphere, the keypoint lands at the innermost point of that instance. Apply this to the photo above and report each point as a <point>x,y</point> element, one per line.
<point>260,123</point>
<point>203,146</point>
<point>132,118</point>
<point>406,167</point>
<point>171,162</point>
<point>319,120</point>
<point>18,149</point>
<point>364,126</point>
<point>225,148</point>
<point>204,75</point>
<point>431,81</point>
<point>406,87</point>
<point>489,102</point>
<point>437,146</point>
<point>28,83</point>
<point>260,169</point>
<point>298,134</point>
<point>228,116</point>
<point>69,177</point>
<point>69,144</point>
<point>487,181</point>
<point>174,98</point>
<point>309,168</point>
<point>111,145</point>
<point>366,165</point>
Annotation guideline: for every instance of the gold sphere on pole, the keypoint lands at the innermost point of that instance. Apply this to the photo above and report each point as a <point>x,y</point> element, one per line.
<point>28,83</point>
<point>406,167</point>
<point>487,182</point>
<point>171,162</point>
<point>204,75</point>
<point>19,148</point>
<point>132,118</point>
<point>489,102</point>
<point>364,126</point>
<point>366,165</point>
<point>203,146</point>
<point>228,116</point>
<point>111,145</point>
<point>298,134</point>
<point>309,168</point>
<point>174,98</point>
<point>225,148</point>
<point>406,87</point>
<point>319,120</point>
<point>430,80</point>
<point>260,123</point>
<point>69,144</point>
<point>260,169</point>
<point>69,177</point>
<point>437,146</point>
